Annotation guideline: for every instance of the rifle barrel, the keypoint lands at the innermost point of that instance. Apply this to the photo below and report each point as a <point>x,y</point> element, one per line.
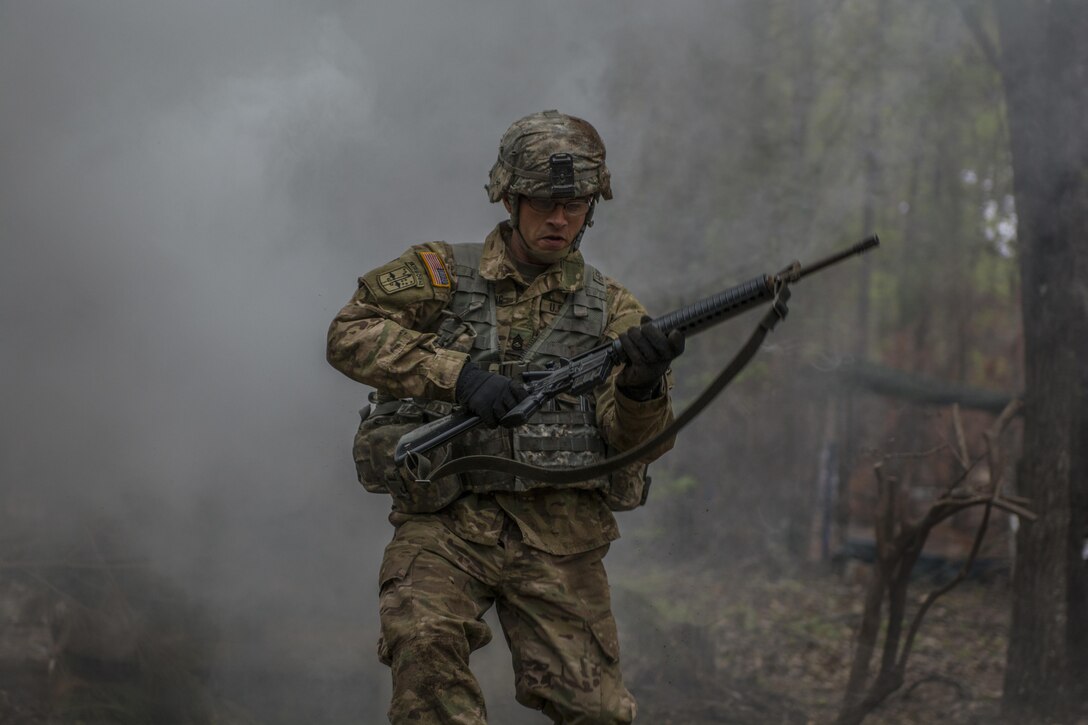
<point>860,248</point>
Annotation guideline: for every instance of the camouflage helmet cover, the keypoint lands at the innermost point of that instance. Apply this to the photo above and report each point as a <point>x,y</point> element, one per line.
<point>550,154</point>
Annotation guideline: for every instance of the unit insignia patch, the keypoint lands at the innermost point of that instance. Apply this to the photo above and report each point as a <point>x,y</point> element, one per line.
<point>400,278</point>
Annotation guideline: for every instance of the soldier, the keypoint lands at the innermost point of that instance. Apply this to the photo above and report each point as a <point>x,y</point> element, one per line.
<point>449,325</point>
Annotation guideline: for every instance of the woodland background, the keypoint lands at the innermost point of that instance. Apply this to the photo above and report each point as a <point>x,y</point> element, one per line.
<point>188,193</point>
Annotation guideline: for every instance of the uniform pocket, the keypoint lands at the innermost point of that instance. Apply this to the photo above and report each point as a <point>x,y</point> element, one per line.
<point>373,450</point>
<point>605,633</point>
<point>628,487</point>
<point>397,562</point>
<point>395,570</point>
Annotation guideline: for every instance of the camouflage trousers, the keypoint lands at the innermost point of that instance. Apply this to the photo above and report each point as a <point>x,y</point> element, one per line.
<point>555,612</point>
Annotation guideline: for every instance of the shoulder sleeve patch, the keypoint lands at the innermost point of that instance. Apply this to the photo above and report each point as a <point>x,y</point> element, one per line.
<point>436,269</point>
<point>399,278</point>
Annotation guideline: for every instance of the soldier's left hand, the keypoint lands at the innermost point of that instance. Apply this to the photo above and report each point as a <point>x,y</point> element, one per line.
<point>649,353</point>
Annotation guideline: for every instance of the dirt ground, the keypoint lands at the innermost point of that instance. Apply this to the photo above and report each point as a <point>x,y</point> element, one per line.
<point>700,646</point>
<point>747,648</point>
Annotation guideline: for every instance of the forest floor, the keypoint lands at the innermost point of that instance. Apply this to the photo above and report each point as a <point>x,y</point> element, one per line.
<point>753,649</point>
<point>701,645</point>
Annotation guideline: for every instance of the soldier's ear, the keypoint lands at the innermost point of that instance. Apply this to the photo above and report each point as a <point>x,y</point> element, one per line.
<point>507,204</point>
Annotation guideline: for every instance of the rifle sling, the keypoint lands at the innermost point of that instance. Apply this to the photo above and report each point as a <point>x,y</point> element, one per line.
<point>584,473</point>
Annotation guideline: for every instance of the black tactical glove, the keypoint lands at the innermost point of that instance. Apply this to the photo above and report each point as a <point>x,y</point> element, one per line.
<point>649,352</point>
<point>487,395</point>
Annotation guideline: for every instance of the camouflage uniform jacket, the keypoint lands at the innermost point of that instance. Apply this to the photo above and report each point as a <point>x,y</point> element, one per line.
<point>384,337</point>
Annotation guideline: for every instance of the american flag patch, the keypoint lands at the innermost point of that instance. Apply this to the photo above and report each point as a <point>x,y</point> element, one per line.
<point>436,269</point>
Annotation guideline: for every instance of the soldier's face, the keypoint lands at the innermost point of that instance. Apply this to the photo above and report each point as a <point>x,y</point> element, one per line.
<point>543,237</point>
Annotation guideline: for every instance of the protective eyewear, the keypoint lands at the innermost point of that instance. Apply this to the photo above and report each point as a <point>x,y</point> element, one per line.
<point>574,207</point>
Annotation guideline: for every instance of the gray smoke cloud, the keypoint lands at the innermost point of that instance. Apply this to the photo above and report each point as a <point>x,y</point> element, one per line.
<point>188,192</point>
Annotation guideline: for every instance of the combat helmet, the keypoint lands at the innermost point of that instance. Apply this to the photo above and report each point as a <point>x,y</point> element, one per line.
<point>550,155</point>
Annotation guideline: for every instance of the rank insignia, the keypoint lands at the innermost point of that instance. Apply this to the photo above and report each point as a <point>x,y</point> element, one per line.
<point>400,278</point>
<point>436,268</point>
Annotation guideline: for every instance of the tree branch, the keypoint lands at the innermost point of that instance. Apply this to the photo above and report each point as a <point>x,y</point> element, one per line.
<point>895,560</point>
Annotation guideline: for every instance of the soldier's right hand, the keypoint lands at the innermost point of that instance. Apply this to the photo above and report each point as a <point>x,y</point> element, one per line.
<point>487,395</point>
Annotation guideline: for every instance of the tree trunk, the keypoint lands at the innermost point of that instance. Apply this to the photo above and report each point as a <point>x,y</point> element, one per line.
<point>801,494</point>
<point>871,170</point>
<point>1044,68</point>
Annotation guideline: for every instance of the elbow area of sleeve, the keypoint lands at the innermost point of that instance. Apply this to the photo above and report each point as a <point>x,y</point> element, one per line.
<point>442,373</point>
<point>635,422</point>
<point>653,413</point>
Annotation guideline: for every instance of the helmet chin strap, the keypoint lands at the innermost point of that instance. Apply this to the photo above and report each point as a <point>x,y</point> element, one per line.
<point>585,225</point>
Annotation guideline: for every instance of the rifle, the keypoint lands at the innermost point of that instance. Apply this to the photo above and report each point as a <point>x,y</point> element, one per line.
<point>591,368</point>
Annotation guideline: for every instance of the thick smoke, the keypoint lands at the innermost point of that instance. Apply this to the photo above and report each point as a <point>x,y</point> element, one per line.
<point>188,192</point>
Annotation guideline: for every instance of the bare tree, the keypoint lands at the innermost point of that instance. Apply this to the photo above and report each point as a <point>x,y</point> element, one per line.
<point>898,546</point>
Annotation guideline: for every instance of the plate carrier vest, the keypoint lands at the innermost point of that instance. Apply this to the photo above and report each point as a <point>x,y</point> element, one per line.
<point>563,434</point>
